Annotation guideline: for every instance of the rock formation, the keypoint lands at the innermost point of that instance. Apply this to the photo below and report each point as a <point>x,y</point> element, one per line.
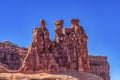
<point>11,55</point>
<point>66,53</point>
<point>45,55</point>
<point>100,66</point>
<point>73,44</point>
<point>39,57</point>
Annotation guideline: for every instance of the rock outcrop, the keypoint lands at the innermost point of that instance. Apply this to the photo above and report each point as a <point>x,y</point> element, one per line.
<point>100,66</point>
<point>67,53</point>
<point>73,44</point>
<point>39,57</point>
<point>11,55</point>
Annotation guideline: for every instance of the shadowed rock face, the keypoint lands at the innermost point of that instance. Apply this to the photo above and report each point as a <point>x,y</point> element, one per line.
<point>11,55</point>
<point>67,53</point>
<point>100,66</point>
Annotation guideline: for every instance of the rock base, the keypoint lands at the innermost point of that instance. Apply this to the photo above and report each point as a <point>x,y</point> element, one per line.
<point>48,76</point>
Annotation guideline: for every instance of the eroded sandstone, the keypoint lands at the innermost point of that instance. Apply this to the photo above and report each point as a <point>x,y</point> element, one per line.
<point>68,52</point>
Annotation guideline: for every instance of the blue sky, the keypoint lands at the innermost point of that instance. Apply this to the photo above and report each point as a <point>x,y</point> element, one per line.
<point>100,19</point>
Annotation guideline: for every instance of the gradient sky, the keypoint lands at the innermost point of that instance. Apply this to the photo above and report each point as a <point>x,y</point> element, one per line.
<point>100,19</point>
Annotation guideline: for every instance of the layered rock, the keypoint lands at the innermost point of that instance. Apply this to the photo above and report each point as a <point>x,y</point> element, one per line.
<point>10,55</point>
<point>67,53</point>
<point>100,66</point>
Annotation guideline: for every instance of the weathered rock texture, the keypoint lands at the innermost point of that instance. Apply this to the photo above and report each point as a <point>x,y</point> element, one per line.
<point>100,66</point>
<point>47,76</point>
<point>67,53</point>
<point>39,57</point>
<point>71,47</point>
<point>11,55</point>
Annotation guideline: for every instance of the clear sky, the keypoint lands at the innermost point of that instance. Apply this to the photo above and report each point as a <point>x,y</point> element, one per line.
<point>100,19</point>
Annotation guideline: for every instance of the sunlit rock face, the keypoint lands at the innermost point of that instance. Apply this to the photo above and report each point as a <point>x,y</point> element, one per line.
<point>67,53</point>
<point>71,47</point>
<point>47,76</point>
